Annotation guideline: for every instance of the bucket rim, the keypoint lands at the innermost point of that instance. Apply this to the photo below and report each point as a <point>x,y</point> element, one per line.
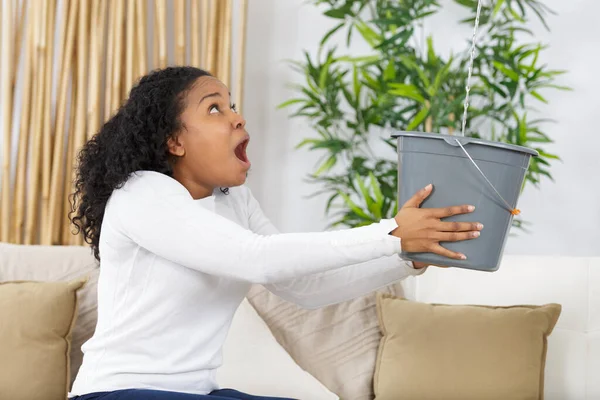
<point>467,140</point>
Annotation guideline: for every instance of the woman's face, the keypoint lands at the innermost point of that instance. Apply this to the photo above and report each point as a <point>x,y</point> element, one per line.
<point>211,145</point>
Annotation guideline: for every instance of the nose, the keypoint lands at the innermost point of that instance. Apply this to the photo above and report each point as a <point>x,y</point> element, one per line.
<point>238,121</point>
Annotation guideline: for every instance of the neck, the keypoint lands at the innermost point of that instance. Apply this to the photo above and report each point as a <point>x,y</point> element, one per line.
<point>197,190</point>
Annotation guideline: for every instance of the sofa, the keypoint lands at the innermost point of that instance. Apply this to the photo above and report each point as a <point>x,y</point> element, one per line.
<point>255,362</point>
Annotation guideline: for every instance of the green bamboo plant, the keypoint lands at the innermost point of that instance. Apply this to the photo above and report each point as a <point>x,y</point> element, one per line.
<point>402,84</point>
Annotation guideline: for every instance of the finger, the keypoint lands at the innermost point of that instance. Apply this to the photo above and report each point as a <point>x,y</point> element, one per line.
<point>442,251</point>
<point>418,197</point>
<point>450,211</point>
<point>458,226</point>
<point>455,236</point>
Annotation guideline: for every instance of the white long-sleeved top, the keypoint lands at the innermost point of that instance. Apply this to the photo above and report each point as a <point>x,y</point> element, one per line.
<point>174,270</point>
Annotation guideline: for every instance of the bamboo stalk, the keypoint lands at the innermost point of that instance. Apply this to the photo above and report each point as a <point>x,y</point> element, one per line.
<point>33,194</point>
<point>6,74</point>
<point>155,38</point>
<point>58,158</point>
<point>161,15</point>
<point>79,132</point>
<point>129,47</point>
<point>225,63</point>
<point>451,117</point>
<point>93,104</point>
<point>100,50</point>
<point>135,48</point>
<point>141,38</point>
<point>20,11</point>
<point>21,167</point>
<point>212,37</point>
<point>241,55</point>
<point>83,40</point>
<point>110,55</point>
<point>47,122</point>
<point>195,33</point>
<point>179,11</point>
<point>428,120</point>
<point>204,16</point>
<point>124,53</point>
<point>118,54</point>
<point>218,49</point>
<point>65,225</point>
<point>451,128</point>
<point>1,19</point>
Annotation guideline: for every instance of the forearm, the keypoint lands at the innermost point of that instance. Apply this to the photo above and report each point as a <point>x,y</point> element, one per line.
<point>344,284</point>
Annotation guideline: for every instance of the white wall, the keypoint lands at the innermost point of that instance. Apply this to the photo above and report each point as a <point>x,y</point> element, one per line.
<point>565,215</point>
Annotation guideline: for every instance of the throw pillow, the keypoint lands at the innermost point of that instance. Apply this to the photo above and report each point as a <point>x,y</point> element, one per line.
<point>58,263</point>
<point>336,344</point>
<point>35,338</point>
<point>438,351</point>
<point>253,362</point>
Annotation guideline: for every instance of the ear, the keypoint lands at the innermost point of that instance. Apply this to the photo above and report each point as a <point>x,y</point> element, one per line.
<point>175,146</point>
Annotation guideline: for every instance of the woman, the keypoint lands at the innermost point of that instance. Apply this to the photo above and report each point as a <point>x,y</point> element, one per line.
<point>160,198</point>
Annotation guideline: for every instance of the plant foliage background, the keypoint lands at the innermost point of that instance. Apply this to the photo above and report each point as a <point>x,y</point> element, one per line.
<point>352,102</point>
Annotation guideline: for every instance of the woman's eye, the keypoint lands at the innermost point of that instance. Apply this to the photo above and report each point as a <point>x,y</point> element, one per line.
<point>233,107</point>
<point>213,109</point>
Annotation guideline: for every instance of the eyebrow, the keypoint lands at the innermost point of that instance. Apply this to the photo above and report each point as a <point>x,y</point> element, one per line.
<point>215,94</point>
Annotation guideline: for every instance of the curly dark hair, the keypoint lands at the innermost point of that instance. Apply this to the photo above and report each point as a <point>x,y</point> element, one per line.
<point>133,139</point>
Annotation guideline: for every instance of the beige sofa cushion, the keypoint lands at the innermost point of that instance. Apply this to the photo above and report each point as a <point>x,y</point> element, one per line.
<point>336,344</point>
<point>467,352</point>
<point>58,263</point>
<point>35,338</point>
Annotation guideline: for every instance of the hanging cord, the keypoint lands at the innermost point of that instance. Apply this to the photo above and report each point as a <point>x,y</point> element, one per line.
<point>468,87</point>
<point>513,211</point>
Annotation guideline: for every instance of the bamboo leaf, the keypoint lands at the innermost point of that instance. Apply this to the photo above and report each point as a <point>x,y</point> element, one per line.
<point>559,87</point>
<point>389,73</point>
<point>431,57</point>
<point>360,59</point>
<point>330,33</point>
<point>364,191</point>
<point>538,96</point>
<point>330,201</point>
<point>356,83</point>
<point>327,165</point>
<point>548,155</point>
<point>306,142</point>
<point>354,207</point>
<point>290,102</point>
<point>373,84</point>
<point>419,118</point>
<point>499,4</point>
<point>379,199</point>
<point>338,13</point>
<point>367,33</point>
<point>405,90</point>
<point>509,73</point>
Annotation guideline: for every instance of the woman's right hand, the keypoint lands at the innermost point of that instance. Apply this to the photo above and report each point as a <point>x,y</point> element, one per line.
<point>421,229</point>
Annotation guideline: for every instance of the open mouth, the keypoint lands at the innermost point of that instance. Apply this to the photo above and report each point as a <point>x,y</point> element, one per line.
<point>240,151</point>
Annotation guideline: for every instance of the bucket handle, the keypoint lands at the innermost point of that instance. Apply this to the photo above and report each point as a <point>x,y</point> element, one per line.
<point>513,211</point>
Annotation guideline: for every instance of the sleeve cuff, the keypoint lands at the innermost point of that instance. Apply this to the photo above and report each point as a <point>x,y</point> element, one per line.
<point>387,226</point>
<point>411,270</point>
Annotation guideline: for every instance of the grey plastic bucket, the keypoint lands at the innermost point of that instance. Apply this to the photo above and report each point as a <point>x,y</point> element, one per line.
<point>425,158</point>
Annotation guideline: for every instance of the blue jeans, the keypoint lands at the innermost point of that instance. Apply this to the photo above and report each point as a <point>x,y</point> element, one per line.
<point>145,394</point>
